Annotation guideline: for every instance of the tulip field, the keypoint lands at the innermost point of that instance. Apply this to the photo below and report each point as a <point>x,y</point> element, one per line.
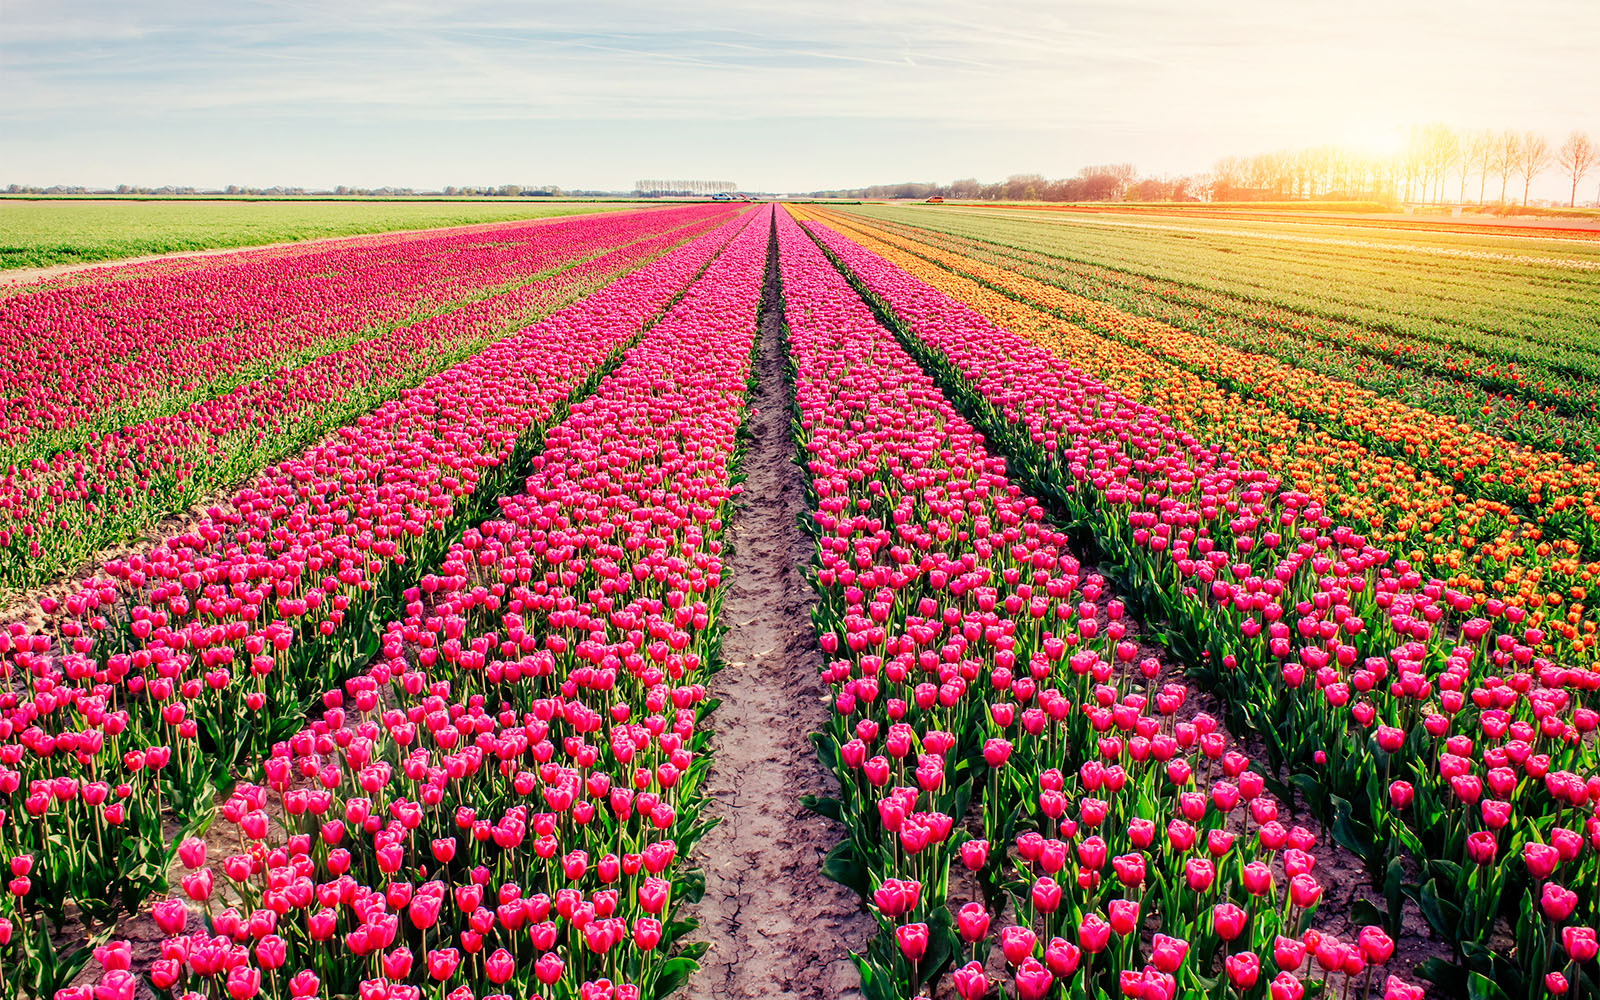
<point>1176,630</point>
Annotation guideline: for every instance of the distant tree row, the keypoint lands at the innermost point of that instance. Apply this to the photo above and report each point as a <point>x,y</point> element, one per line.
<point>505,191</point>
<point>1438,165</point>
<point>682,189</point>
<point>1112,182</point>
<point>165,190</point>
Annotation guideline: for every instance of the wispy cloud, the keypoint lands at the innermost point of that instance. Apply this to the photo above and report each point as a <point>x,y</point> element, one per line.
<point>1167,82</point>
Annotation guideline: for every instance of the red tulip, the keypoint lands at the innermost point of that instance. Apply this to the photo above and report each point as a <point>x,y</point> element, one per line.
<point>913,940</point>
<point>1579,942</point>
<point>1046,895</point>
<point>1557,902</point>
<point>1167,953</point>
<point>1061,957</point>
<point>1124,916</point>
<point>972,921</point>
<point>1285,986</point>
<point>1541,859</point>
<point>1017,943</point>
<point>1481,847</point>
<point>1243,970</point>
<point>1033,980</point>
<point>1093,933</point>
<point>499,966</point>
<point>549,968</point>
<point>970,981</point>
<point>442,963</point>
<point>1376,946</point>
<point>1288,953</point>
<point>1228,920</point>
<point>304,984</point>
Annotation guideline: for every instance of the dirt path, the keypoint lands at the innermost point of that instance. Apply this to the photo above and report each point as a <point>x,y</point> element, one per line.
<point>777,927</point>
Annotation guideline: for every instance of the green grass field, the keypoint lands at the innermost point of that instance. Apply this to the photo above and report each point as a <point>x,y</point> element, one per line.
<point>45,233</point>
<point>1529,298</point>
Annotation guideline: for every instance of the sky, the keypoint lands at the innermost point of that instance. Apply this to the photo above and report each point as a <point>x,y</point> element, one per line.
<point>786,96</point>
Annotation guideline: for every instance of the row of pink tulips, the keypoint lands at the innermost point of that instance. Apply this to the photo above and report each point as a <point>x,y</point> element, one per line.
<point>171,668</point>
<point>1418,726</point>
<point>973,663</point>
<point>119,348</point>
<point>62,508</point>
<point>504,804</point>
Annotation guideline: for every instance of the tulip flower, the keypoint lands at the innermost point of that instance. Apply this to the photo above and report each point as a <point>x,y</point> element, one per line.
<point>1061,957</point>
<point>1033,980</point>
<point>1375,945</point>
<point>1243,970</point>
<point>1481,847</point>
<point>913,941</point>
<point>1557,902</point>
<point>549,968</point>
<point>972,921</point>
<point>970,981</point>
<point>1228,920</point>
<point>1579,942</point>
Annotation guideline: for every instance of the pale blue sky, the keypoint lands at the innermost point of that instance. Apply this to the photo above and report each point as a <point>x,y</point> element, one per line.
<point>776,96</point>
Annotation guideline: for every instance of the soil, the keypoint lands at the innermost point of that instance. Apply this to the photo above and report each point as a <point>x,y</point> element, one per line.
<point>777,927</point>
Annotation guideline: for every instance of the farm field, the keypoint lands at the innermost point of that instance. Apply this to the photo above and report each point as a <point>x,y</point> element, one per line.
<point>51,233</point>
<point>879,601</point>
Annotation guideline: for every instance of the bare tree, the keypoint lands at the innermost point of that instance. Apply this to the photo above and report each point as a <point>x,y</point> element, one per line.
<point>1227,176</point>
<point>1483,143</point>
<point>1124,173</point>
<point>1411,170</point>
<point>1441,153</point>
<point>1577,157</point>
<point>1024,187</point>
<point>1417,161</point>
<point>1533,156</point>
<point>1462,156</point>
<point>1507,152</point>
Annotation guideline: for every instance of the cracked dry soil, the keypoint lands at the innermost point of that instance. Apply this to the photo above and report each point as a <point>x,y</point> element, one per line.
<point>777,927</point>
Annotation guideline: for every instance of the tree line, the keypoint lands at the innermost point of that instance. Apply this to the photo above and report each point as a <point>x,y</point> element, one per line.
<point>1438,165</point>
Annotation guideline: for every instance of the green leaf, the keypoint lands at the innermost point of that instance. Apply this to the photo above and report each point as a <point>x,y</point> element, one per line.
<point>1450,871</point>
<point>1481,987</point>
<point>824,805</point>
<point>876,984</point>
<point>691,885</point>
<point>1348,833</point>
<point>845,868</point>
<point>1364,911</point>
<point>677,929</point>
<point>1394,893</point>
<point>1441,916</point>
<point>694,950</point>
<point>1311,788</point>
<point>674,973</point>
